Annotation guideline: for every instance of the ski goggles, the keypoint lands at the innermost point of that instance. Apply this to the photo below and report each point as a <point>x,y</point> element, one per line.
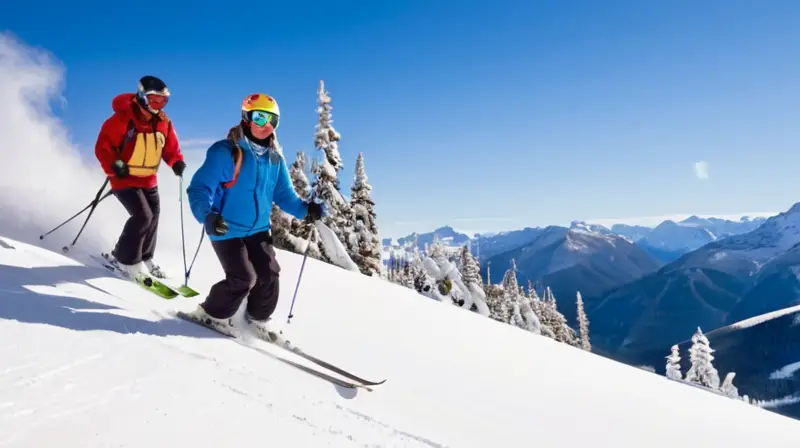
<point>261,118</point>
<point>157,101</point>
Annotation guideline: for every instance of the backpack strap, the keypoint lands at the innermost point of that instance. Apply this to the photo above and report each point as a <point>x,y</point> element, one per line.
<point>130,131</point>
<point>237,154</point>
<point>234,135</point>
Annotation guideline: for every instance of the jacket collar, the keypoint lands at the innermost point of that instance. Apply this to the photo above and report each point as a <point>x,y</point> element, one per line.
<point>237,137</point>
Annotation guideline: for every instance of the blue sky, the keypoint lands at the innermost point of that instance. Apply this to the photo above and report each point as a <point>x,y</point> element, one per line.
<point>482,115</point>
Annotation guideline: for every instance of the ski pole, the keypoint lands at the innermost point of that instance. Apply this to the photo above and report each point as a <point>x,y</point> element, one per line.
<point>93,203</point>
<point>183,238</point>
<point>185,289</point>
<point>97,200</point>
<point>302,266</point>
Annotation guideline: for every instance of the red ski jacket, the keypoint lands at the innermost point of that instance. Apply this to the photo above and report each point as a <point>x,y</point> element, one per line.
<point>139,139</point>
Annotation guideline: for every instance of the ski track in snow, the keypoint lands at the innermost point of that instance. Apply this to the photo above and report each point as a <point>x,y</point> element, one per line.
<point>90,360</point>
<point>54,388</point>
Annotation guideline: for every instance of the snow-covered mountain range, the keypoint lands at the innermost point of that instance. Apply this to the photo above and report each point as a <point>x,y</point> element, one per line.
<point>585,256</point>
<point>572,260</point>
<point>727,280</point>
<point>689,234</point>
<point>665,242</point>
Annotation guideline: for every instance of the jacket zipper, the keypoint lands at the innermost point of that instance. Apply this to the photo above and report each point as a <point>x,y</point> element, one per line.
<point>255,190</point>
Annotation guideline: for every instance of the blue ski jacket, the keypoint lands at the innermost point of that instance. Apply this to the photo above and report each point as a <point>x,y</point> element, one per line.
<point>247,205</point>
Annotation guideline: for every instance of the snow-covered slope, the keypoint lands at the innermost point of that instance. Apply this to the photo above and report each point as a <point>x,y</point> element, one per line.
<point>96,362</point>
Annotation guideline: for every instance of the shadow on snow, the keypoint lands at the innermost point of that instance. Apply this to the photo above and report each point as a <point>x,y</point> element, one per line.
<point>19,302</point>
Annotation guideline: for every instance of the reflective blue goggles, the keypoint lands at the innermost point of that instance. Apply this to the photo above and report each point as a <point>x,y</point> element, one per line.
<point>261,118</point>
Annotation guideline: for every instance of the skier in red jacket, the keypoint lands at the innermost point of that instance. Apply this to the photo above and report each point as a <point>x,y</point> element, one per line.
<point>130,147</point>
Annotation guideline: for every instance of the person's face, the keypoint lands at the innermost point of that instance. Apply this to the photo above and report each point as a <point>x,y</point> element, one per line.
<point>262,124</point>
<point>157,102</point>
<point>261,132</point>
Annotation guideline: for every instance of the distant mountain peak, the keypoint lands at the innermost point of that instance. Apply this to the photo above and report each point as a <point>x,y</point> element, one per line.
<point>795,209</point>
<point>583,226</point>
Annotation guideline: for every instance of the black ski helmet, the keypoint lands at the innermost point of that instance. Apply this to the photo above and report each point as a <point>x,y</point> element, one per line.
<point>150,85</point>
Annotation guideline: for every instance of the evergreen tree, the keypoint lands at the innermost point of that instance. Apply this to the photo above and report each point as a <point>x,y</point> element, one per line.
<point>511,296</point>
<point>702,370</point>
<point>496,301</point>
<point>470,268</point>
<point>470,271</point>
<point>326,185</point>
<point>540,308</point>
<point>555,321</point>
<point>583,325</point>
<point>299,179</point>
<point>532,322</point>
<point>406,277</point>
<point>365,245</point>
<point>674,364</point>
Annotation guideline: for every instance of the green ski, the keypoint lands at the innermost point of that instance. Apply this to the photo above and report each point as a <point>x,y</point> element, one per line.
<point>146,281</point>
<point>156,287</point>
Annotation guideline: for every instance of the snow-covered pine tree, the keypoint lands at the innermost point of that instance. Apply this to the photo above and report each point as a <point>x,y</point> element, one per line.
<point>540,309</point>
<point>727,388</point>
<point>474,296</point>
<point>583,325</point>
<point>407,277</point>
<point>532,322</point>
<point>511,296</point>
<point>556,321</point>
<point>470,269</point>
<point>364,245</point>
<point>674,364</point>
<point>326,184</point>
<point>496,301</point>
<point>297,172</point>
<point>521,313</point>
<point>702,370</point>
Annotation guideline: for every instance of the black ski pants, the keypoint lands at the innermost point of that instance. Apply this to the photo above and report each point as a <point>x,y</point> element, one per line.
<point>138,239</point>
<point>251,271</point>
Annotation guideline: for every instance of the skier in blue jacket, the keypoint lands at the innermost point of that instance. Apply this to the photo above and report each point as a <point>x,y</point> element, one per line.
<point>231,194</point>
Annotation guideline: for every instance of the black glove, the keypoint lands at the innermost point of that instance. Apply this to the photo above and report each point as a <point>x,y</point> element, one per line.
<point>314,211</point>
<point>120,169</point>
<point>178,168</point>
<point>216,225</point>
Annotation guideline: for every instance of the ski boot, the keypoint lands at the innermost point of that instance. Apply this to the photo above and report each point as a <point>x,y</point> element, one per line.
<point>155,270</point>
<point>266,330</point>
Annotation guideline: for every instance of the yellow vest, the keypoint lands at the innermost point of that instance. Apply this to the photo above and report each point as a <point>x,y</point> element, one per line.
<point>146,156</point>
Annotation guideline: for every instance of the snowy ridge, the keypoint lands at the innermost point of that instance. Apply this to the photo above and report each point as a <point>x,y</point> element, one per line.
<point>584,227</point>
<point>785,372</point>
<point>746,254</point>
<point>777,235</point>
<point>755,320</point>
